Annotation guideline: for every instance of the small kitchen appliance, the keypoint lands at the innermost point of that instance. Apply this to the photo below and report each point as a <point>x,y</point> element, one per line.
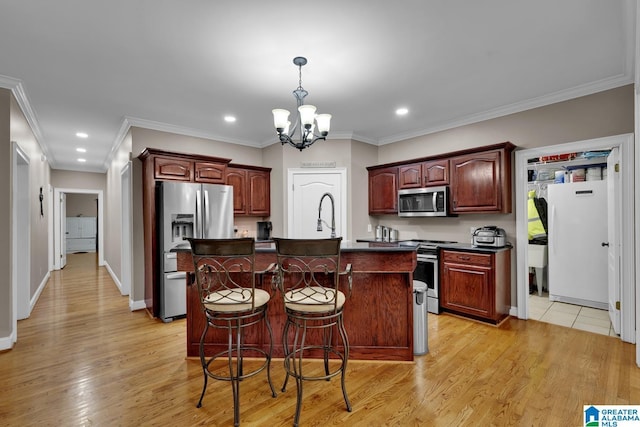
<point>489,236</point>
<point>264,230</point>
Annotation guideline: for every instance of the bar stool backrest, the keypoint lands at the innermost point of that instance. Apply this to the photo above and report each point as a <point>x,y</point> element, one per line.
<point>224,270</point>
<point>308,271</point>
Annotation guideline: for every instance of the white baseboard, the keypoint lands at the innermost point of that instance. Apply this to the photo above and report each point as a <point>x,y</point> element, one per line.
<point>513,311</point>
<point>113,276</point>
<point>36,295</point>
<point>137,305</point>
<point>6,343</point>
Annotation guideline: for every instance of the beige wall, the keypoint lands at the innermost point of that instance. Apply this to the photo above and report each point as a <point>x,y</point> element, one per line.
<point>78,180</point>
<point>82,204</point>
<point>113,210</point>
<point>14,127</point>
<point>39,177</point>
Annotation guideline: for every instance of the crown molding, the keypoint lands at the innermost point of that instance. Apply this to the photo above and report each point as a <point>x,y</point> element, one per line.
<point>187,131</point>
<point>18,91</point>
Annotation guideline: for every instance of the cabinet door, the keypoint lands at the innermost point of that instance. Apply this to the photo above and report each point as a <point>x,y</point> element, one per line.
<point>210,173</point>
<point>468,289</point>
<point>259,191</point>
<point>174,169</point>
<point>383,191</point>
<point>436,172</point>
<point>237,178</point>
<point>410,176</point>
<point>476,181</point>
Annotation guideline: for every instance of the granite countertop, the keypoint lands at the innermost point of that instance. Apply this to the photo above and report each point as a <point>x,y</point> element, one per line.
<point>468,247</point>
<point>351,246</point>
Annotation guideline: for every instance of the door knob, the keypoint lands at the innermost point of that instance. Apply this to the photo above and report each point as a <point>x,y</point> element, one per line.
<point>604,244</point>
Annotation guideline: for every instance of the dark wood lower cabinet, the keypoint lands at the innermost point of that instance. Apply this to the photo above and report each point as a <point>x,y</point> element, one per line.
<point>378,316</point>
<point>476,284</point>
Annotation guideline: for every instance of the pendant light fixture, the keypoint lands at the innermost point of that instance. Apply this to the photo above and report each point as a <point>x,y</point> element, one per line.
<point>306,119</point>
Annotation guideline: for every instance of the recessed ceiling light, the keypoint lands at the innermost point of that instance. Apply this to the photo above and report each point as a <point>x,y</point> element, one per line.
<point>402,111</point>
<point>82,135</point>
<point>82,160</point>
<point>81,150</point>
<point>229,119</point>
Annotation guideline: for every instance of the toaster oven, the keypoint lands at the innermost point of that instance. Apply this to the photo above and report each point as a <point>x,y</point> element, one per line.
<point>489,236</point>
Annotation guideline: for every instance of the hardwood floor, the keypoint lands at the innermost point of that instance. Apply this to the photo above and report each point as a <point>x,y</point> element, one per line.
<point>83,359</point>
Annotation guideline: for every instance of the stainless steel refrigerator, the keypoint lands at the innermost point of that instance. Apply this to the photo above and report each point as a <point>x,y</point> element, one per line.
<point>187,210</point>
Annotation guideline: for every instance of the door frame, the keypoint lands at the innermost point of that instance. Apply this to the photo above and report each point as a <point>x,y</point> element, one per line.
<point>126,228</point>
<point>325,171</point>
<point>627,241</point>
<point>20,237</point>
<point>56,223</point>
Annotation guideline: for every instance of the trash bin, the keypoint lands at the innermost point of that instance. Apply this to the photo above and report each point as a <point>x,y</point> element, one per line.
<point>420,318</point>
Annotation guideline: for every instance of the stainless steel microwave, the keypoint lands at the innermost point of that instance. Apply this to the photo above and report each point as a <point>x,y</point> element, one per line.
<point>429,201</point>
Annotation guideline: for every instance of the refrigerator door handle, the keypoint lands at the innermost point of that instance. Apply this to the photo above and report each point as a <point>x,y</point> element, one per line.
<point>198,215</point>
<point>552,229</point>
<point>178,275</point>
<point>205,216</point>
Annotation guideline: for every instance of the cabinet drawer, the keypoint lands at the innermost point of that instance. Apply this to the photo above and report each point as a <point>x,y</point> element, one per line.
<point>467,258</point>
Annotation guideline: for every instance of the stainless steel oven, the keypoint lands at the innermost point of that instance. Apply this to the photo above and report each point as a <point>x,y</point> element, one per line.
<point>428,270</point>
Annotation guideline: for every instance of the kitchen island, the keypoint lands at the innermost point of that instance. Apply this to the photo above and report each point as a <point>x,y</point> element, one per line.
<point>378,316</point>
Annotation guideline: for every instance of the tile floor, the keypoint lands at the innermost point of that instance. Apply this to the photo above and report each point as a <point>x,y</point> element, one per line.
<point>569,315</point>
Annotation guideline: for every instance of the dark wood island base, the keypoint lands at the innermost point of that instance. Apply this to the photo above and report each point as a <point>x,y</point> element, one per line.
<point>378,316</point>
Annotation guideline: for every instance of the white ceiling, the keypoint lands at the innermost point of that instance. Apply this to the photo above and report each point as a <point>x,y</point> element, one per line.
<point>101,66</point>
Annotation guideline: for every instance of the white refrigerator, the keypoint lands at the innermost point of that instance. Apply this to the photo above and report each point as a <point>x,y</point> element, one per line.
<point>578,239</point>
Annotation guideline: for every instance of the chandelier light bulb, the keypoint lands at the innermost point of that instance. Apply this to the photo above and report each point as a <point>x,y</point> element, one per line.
<point>307,114</point>
<point>280,118</point>
<point>324,123</point>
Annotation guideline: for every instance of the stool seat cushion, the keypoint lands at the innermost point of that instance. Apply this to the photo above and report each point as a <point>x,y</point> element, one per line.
<point>235,301</point>
<point>313,299</point>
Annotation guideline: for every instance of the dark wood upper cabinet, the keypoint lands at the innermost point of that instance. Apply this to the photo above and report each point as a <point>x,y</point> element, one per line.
<point>481,182</point>
<point>210,173</point>
<point>173,169</point>
<point>410,176</point>
<point>383,191</point>
<point>424,174</point>
<point>259,192</point>
<point>251,190</point>
<point>435,172</point>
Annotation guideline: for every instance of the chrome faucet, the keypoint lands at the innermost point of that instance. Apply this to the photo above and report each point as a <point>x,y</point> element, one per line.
<point>333,215</point>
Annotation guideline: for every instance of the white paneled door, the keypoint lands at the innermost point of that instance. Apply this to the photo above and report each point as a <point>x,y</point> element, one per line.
<point>306,188</point>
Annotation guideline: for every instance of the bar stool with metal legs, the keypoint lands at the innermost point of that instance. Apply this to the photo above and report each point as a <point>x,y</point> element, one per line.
<point>225,276</point>
<point>308,277</point>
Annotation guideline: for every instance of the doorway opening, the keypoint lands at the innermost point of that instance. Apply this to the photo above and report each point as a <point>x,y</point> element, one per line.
<point>625,283</point>
<point>60,221</point>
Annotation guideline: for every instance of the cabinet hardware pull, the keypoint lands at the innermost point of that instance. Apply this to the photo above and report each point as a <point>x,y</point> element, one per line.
<point>465,258</point>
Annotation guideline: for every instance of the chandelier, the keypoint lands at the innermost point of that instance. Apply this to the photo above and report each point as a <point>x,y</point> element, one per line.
<point>304,119</point>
